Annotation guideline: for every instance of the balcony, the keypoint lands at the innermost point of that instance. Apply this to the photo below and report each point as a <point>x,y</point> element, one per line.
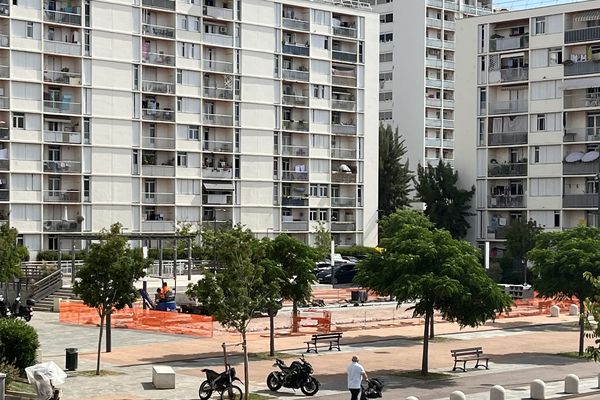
<point>581,100</point>
<point>295,75</point>
<point>296,24</point>
<point>343,177</point>
<point>158,198</point>
<point>63,17</point>
<point>343,226</point>
<point>296,49</point>
<point>434,22</point>
<point>580,168</point>
<point>4,134</point>
<point>514,74</point>
<point>433,142</point>
<point>218,119</point>
<point>508,107</point>
<point>218,12</point>
<point>215,224</point>
<point>4,164</point>
<point>345,31</point>
<point>433,62</point>
<point>434,83</point>
<point>4,8</point>
<point>507,169</point>
<point>499,232</point>
<point>298,151</point>
<point>4,102</point>
<point>433,122</point>
<point>343,153</point>
<point>218,93</point>
<point>164,4</point>
<point>295,126</point>
<point>4,71</point>
<point>295,100</point>
<point>581,200</point>
<point>158,170</point>
<point>217,173</point>
<point>153,114</point>
<point>294,175</point>
<point>64,77</point>
<point>433,42</point>
<point>218,39</point>
<point>343,56</point>
<point>296,201</point>
<point>158,30</point>
<point>507,138</point>
<point>218,146</point>
<point>159,58</point>
<point>4,196</point>
<point>62,196</point>
<point>62,166</point>
<point>582,35</point>
<point>62,107</point>
<point>62,137</point>
<point>217,66</point>
<point>433,102</point>
<point>448,123</point>
<point>217,199</point>
<point>506,201</point>
<point>343,202</point>
<point>61,226</point>
<point>581,68</point>
<point>158,226</point>
<point>509,43</point>
<point>581,134</point>
<point>346,105</point>
<point>4,40</point>
<point>64,48</point>
<point>294,226</point>
<point>343,129</point>
<point>158,87</point>
<point>153,142</point>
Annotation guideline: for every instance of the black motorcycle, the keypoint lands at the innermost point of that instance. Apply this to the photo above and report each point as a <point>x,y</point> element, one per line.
<point>22,311</point>
<point>4,309</point>
<point>221,383</point>
<point>296,376</point>
<point>371,389</point>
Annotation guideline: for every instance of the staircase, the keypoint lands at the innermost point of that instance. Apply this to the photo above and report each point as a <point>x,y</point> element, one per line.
<point>47,303</point>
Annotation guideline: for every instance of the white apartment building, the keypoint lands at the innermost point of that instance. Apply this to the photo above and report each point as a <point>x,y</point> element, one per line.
<point>214,112</point>
<point>529,117</point>
<point>416,76</point>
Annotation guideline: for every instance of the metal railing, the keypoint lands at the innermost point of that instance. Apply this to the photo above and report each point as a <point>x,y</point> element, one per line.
<point>343,55</point>
<point>217,145</point>
<point>435,83</point>
<point>218,119</point>
<point>581,134</point>
<point>155,114</point>
<point>509,43</point>
<point>5,102</point>
<point>506,201</point>
<point>219,199</point>
<point>47,285</point>
<point>4,165</point>
<point>218,39</point>
<point>158,30</point>
<point>289,150</point>
<point>218,12</point>
<point>158,170</point>
<point>62,196</point>
<point>298,201</point>
<point>154,142</point>
<point>217,66</point>
<point>63,107</point>
<point>343,177</point>
<point>295,75</point>
<point>62,166</point>
<point>343,80</point>
<point>514,74</point>
<point>581,101</point>
<point>61,226</point>
<point>581,68</point>
<point>158,87</point>
<point>507,138</point>
<point>508,107</point>
<point>71,78</point>
<point>296,49</point>
<point>581,200</point>
<point>295,126</point>
<point>343,202</point>
<point>158,198</point>
<point>294,175</point>
<point>166,4</point>
<point>4,71</point>
<point>434,122</point>
<point>343,153</point>
<point>347,105</point>
<point>4,40</point>
<point>293,23</point>
<point>582,35</point>
<point>66,48</point>
<point>434,22</point>
<point>158,226</point>
<point>580,168</point>
<point>433,142</point>
<point>294,226</point>
<point>218,93</point>
<point>343,226</point>
<point>507,169</point>
<point>343,129</point>
<point>345,31</point>
<point>4,196</point>
<point>217,173</point>
<point>159,58</point>
<point>62,17</point>
<point>295,100</point>
<point>4,133</point>
<point>62,137</point>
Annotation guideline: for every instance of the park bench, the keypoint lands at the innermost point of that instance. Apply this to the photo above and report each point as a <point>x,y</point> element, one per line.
<point>332,338</point>
<point>470,354</point>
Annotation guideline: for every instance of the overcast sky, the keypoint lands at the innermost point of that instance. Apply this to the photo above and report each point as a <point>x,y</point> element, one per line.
<point>520,4</point>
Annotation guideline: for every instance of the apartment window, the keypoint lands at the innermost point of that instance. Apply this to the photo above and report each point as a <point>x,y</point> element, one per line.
<point>386,37</point>
<point>385,18</point>
<point>540,25</point>
<point>319,141</point>
<point>29,29</point>
<point>554,56</point>
<point>536,154</point>
<point>319,91</point>
<point>87,42</point>
<point>317,190</point>
<point>541,122</point>
<point>182,159</point>
<point>193,132</point>
<point>179,76</point>
<point>18,120</point>
<point>136,77</point>
<point>557,219</point>
<point>385,115</point>
<point>86,188</point>
<point>385,96</point>
<point>179,103</point>
<point>386,57</point>
<point>86,130</point>
<point>313,214</point>
<point>385,76</point>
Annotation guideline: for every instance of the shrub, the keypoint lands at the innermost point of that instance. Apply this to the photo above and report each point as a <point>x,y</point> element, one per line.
<point>356,251</point>
<point>18,343</point>
<point>11,371</point>
<point>49,255</point>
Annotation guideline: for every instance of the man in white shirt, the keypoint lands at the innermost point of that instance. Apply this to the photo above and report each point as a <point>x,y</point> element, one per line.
<point>356,373</point>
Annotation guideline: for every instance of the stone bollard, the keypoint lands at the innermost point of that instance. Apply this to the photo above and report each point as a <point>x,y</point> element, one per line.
<point>2,386</point>
<point>572,384</point>
<point>56,304</point>
<point>412,398</point>
<point>598,381</point>
<point>457,395</point>
<point>537,390</point>
<point>497,392</point>
<point>554,311</point>
<point>573,309</point>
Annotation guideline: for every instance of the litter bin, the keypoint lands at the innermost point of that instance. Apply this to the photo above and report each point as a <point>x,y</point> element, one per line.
<point>359,296</point>
<point>71,358</point>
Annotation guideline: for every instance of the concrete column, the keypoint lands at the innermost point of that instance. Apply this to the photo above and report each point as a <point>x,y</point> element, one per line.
<point>554,311</point>
<point>572,384</point>
<point>497,392</point>
<point>537,390</point>
<point>457,395</point>
<point>573,309</point>
<point>2,386</point>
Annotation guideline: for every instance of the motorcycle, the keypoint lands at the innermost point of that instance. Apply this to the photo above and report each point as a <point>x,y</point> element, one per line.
<point>221,383</point>
<point>4,309</point>
<point>371,389</point>
<point>297,375</point>
<point>22,311</point>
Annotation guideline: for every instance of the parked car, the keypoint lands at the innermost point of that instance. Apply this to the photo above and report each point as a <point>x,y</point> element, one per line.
<point>343,273</point>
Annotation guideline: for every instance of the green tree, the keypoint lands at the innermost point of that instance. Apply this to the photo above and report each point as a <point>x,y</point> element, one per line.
<point>106,279</point>
<point>11,254</point>
<point>520,238</point>
<point>322,240</point>
<point>592,305</point>
<point>446,205</point>
<point>560,259</point>
<point>394,176</point>
<point>425,265</point>
<point>297,260</point>
<point>236,291</point>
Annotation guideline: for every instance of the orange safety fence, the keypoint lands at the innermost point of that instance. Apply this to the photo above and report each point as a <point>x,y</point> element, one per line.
<point>536,306</point>
<point>74,312</point>
<point>321,320</point>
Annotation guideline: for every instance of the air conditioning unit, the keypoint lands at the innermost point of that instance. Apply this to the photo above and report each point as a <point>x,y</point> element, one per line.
<point>223,30</point>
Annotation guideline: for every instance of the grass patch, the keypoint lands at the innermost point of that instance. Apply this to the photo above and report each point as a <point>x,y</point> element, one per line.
<point>416,374</point>
<point>265,356</point>
<point>22,387</point>
<point>575,354</point>
<point>92,373</point>
<point>436,339</point>
<point>256,396</point>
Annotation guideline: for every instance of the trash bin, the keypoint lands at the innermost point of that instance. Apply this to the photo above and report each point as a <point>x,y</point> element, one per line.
<point>363,296</point>
<point>71,358</point>
<point>355,296</point>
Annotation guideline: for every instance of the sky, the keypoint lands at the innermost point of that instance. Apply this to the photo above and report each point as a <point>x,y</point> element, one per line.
<point>521,4</point>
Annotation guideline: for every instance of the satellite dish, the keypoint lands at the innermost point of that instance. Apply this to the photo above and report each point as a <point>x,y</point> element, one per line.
<point>574,157</point>
<point>590,156</point>
<point>344,168</point>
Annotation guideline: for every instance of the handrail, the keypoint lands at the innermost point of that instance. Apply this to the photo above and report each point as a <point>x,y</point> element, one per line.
<point>47,285</point>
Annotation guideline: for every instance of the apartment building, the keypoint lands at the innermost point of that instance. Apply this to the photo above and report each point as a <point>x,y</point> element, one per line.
<point>416,77</point>
<point>215,113</point>
<point>529,117</point>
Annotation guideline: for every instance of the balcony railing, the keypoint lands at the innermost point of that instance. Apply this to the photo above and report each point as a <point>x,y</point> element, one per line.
<point>433,42</point>
<point>158,170</point>
<point>296,49</point>
<point>298,201</point>
<point>219,146</point>
<point>433,142</point>
<point>216,198</point>
<point>433,102</point>
<point>217,66</point>
<point>507,169</point>
<point>4,40</point>
<point>580,168</point>
<point>299,151</point>
<point>158,198</point>
<point>166,4</point>
<point>508,107</point>
<point>68,78</point>
<point>4,196</point>
<point>434,22</point>
<point>506,201</point>
<point>509,43</point>
<point>4,134</point>
<point>343,80</point>
<point>581,134</point>
<point>343,226</point>
<point>294,175</point>
<point>297,24</point>
<point>154,114</point>
<point>346,105</point>
<point>153,142</point>
<point>581,101</point>
<point>63,107</point>
<point>62,166</point>
<point>218,119</point>
<point>158,226</point>
<point>435,83</point>
<point>66,48</point>
<point>62,137</point>
<point>216,224</point>
<point>158,31</point>
<point>295,75</point>
<point>433,62</point>
<point>218,93</point>
<point>62,17</point>
<point>514,74</point>
<point>343,177</point>
<point>61,226</point>
<point>218,12</point>
<point>507,138</point>
<point>4,164</point>
<point>295,100</point>
<point>343,56</point>
<point>217,39</point>
<point>499,232</point>
<point>433,122</point>
<point>582,68</point>
<point>62,196</point>
<point>295,126</point>
<point>581,200</point>
<point>344,31</point>
<point>343,129</point>
<point>158,87</point>
<point>294,226</point>
<point>343,153</point>
<point>159,58</point>
<point>343,202</point>
<point>4,71</point>
<point>4,102</point>
<point>582,35</point>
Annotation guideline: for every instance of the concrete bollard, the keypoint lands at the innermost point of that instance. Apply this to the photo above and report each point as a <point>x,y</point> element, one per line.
<point>56,304</point>
<point>497,392</point>
<point>537,390</point>
<point>573,309</point>
<point>572,384</point>
<point>2,386</point>
<point>554,311</point>
<point>598,381</point>
<point>457,395</point>
<point>412,398</point>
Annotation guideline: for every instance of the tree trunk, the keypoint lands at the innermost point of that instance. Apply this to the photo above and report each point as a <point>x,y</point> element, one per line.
<point>294,317</point>
<point>108,342</point>
<point>431,329</point>
<point>271,333</point>
<point>425,360</point>
<point>246,372</point>
<point>102,316</point>
<point>581,326</point>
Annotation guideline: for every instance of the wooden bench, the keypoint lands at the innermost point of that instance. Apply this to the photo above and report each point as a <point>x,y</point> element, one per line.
<point>470,354</point>
<point>332,338</point>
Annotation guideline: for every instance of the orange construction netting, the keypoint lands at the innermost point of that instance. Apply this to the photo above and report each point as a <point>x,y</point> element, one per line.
<point>537,306</point>
<point>73,312</point>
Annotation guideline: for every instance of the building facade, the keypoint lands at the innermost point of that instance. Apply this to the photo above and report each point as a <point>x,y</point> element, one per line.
<point>529,117</point>
<point>416,77</point>
<point>153,113</point>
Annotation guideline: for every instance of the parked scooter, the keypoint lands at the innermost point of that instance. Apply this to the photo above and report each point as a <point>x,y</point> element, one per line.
<point>22,311</point>
<point>221,383</point>
<point>371,389</point>
<point>4,309</point>
<point>296,376</point>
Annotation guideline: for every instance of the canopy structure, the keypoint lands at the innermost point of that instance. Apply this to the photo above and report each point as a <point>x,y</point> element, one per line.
<point>592,15</point>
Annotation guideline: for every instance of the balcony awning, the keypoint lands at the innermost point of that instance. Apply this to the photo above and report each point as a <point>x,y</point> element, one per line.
<point>512,55</point>
<point>580,83</point>
<point>592,15</point>
<point>228,186</point>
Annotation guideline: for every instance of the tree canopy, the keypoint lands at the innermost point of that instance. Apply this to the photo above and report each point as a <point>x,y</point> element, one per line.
<point>520,238</point>
<point>592,306</point>
<point>425,265</point>
<point>395,176</point>
<point>560,260</point>
<point>11,254</point>
<point>446,205</point>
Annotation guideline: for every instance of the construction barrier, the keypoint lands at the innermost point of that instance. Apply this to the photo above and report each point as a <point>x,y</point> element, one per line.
<point>537,306</point>
<point>74,312</point>
<point>316,319</point>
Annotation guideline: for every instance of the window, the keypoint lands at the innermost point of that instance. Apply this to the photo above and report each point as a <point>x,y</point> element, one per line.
<point>385,76</point>
<point>179,76</point>
<point>319,91</point>
<point>19,120</point>
<point>386,57</point>
<point>385,115</point>
<point>540,25</point>
<point>536,154</point>
<point>557,219</point>
<point>86,188</point>
<point>317,190</point>
<point>313,215</point>
<point>385,96</point>
<point>554,56</point>
<point>182,159</point>
<point>29,29</point>
<point>319,141</point>
<point>193,132</point>
<point>541,122</point>
<point>321,17</point>
<point>386,37</point>
<point>86,130</point>
<point>319,166</point>
<point>385,18</point>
